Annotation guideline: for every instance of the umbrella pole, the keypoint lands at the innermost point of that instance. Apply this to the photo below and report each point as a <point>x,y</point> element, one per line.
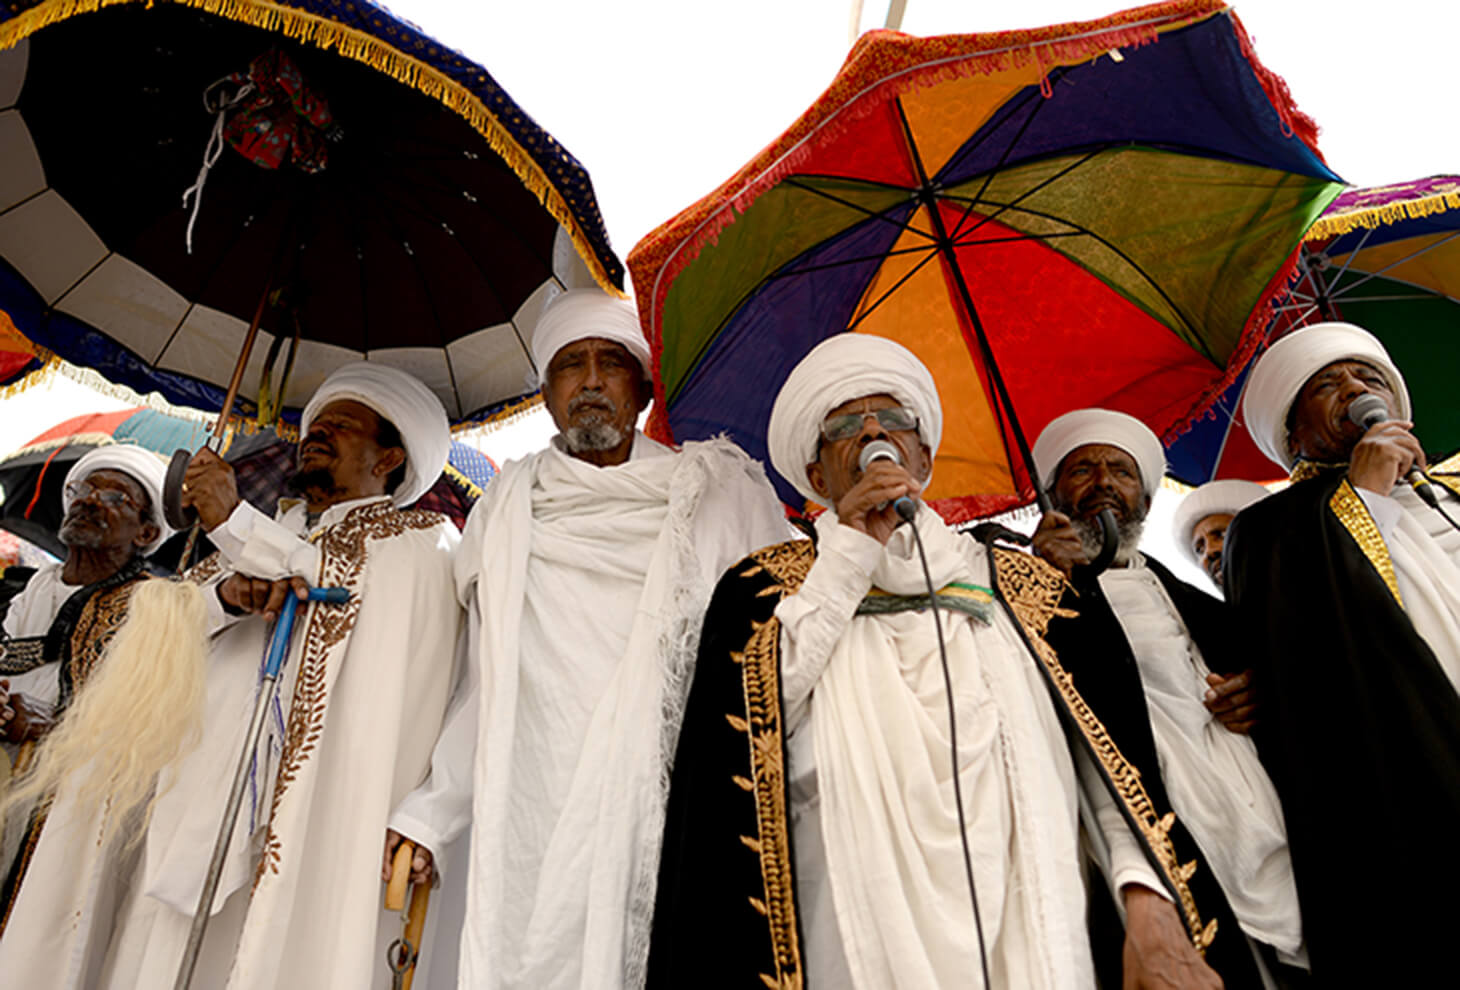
<point>945,247</point>
<point>278,650</point>
<point>172,489</point>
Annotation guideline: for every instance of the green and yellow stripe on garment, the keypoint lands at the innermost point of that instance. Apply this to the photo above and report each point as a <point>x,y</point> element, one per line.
<point>973,600</point>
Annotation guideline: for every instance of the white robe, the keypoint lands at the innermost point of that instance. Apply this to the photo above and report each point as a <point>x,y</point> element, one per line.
<point>589,585</point>
<point>57,933</point>
<point>1425,550</point>
<point>880,874</point>
<point>1218,787</point>
<point>364,720</point>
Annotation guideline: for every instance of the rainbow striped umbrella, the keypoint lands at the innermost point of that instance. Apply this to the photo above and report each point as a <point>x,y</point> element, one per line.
<point>1077,215</point>
<point>1386,258</point>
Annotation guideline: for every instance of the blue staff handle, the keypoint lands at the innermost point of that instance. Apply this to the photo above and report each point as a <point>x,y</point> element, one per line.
<point>274,659</point>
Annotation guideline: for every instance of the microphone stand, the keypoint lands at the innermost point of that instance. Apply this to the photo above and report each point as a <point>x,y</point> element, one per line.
<point>907,509</point>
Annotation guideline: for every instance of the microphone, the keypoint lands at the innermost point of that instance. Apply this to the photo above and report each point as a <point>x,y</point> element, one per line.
<point>1368,411</point>
<point>884,450</point>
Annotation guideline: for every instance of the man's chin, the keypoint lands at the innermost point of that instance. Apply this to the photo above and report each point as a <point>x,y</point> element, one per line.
<point>308,480</point>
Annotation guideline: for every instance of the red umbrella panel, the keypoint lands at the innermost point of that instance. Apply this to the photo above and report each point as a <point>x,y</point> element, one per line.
<point>1072,216</point>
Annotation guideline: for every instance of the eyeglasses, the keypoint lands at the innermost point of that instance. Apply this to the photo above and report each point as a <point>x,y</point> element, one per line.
<point>112,498</point>
<point>847,425</point>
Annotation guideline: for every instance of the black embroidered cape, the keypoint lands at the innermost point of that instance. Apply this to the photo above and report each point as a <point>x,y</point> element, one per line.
<point>726,912</point>
<point>1093,647</point>
<point>1360,729</point>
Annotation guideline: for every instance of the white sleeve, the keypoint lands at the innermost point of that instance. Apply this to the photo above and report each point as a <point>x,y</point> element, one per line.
<point>258,546</point>
<point>813,619</point>
<point>1113,846</point>
<point>437,812</point>
<point>1385,509</point>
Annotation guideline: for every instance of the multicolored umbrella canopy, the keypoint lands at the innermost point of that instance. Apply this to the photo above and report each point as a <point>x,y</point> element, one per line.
<point>1388,259</point>
<point>1084,215</point>
<point>31,478</point>
<point>378,191</point>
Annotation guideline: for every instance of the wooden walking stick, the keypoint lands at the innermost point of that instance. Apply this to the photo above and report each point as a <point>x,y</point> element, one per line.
<point>405,951</point>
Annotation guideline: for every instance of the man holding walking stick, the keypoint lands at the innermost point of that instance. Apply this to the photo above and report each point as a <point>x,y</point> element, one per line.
<point>360,702</point>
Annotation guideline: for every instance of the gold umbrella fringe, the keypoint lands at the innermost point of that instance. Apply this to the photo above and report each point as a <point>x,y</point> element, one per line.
<point>361,47</point>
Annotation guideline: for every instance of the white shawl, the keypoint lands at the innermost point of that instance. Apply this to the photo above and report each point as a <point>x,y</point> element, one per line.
<point>1425,550</point>
<point>880,731</point>
<point>591,584</point>
<point>1218,786</point>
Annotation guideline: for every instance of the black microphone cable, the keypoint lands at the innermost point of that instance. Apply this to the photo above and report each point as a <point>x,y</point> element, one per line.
<point>907,509</point>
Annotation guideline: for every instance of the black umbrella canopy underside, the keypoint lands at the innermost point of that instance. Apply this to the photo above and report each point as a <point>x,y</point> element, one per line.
<point>415,234</point>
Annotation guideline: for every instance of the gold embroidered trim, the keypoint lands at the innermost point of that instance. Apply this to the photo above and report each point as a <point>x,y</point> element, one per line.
<point>1033,590</point>
<point>1303,470</point>
<point>343,553</point>
<point>788,564</point>
<point>206,569</point>
<point>99,621</point>
<point>1349,507</point>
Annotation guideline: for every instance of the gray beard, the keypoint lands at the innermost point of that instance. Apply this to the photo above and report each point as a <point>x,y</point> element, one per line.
<point>73,535</point>
<point>1129,529</point>
<point>592,437</point>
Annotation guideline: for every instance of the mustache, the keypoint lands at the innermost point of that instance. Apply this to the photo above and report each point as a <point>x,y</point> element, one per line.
<point>591,399</point>
<point>317,438</point>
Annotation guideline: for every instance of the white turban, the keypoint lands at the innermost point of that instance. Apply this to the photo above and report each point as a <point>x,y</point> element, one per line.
<point>1227,497</point>
<point>409,405</point>
<point>1082,427</point>
<point>1285,368</point>
<point>138,463</point>
<point>837,370</point>
<point>584,313</point>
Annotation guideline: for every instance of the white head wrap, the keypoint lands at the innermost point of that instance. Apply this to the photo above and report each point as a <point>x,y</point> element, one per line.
<point>405,402</point>
<point>1285,368</point>
<point>1082,427</point>
<point>837,370</point>
<point>138,463</point>
<point>584,313</point>
<point>1226,497</point>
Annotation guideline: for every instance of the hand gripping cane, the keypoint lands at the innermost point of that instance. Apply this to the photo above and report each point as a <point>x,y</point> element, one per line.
<point>268,687</point>
<point>405,951</point>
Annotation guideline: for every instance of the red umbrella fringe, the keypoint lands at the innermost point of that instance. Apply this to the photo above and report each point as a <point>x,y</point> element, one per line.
<point>887,64</point>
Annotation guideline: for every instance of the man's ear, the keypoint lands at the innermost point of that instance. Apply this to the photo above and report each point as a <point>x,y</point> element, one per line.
<point>1148,502</point>
<point>645,394</point>
<point>928,460</point>
<point>817,477</point>
<point>390,459</point>
<point>145,535</point>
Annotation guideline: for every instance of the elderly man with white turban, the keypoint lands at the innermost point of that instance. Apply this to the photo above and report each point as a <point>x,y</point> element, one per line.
<point>1346,589</point>
<point>361,699</point>
<point>60,886</point>
<point>814,823</point>
<point>1154,658</point>
<point>1199,525</point>
<point>586,569</point>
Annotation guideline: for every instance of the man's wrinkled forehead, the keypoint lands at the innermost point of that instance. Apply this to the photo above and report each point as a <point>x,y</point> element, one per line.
<point>1334,368</point>
<point>1095,453</point>
<point>575,349</point>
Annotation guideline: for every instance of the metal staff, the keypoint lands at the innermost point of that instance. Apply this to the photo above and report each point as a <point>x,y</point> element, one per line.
<point>273,661</point>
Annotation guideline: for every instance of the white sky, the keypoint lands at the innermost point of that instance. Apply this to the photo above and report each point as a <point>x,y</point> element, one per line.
<point>662,100</point>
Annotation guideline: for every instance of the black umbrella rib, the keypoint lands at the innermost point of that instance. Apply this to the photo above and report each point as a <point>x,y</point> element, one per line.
<point>79,279</point>
<point>177,329</point>
<point>1078,229</point>
<point>1011,108</point>
<point>19,203</point>
<point>873,214</point>
<point>1003,404</point>
<point>1003,158</point>
<point>977,200</point>
<point>788,272</point>
<point>933,253</point>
